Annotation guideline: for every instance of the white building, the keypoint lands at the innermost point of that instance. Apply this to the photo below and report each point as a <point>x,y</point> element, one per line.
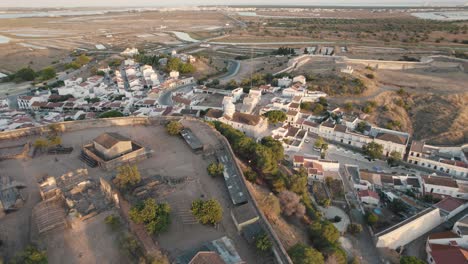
<point>317,169</point>
<point>251,101</point>
<point>299,79</point>
<point>436,159</point>
<point>442,187</point>
<point>252,125</point>
<point>369,197</point>
<point>129,52</point>
<point>284,82</point>
<point>174,74</point>
<point>450,246</point>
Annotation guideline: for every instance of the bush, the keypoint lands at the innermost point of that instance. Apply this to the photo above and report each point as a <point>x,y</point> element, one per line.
<point>127,176</point>
<point>215,169</point>
<point>155,216</point>
<point>370,76</point>
<point>290,204</point>
<point>302,254</point>
<point>410,260</point>
<point>371,218</point>
<point>110,114</point>
<point>262,242</point>
<point>207,212</point>
<point>174,128</point>
<point>354,229</point>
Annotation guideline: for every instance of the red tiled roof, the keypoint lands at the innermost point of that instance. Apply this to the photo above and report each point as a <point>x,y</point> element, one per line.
<point>204,257</point>
<point>298,158</point>
<point>449,204</point>
<point>455,163</point>
<point>440,180</point>
<point>442,235</point>
<point>392,138</point>
<point>449,254</point>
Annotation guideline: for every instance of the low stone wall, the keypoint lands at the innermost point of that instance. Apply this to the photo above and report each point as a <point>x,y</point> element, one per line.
<point>74,126</point>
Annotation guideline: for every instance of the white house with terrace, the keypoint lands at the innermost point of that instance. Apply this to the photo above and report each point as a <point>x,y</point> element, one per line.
<point>438,159</point>
<point>441,187</point>
<point>317,169</point>
<point>252,125</point>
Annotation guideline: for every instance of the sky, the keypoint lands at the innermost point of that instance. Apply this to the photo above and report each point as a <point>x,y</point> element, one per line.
<point>135,3</point>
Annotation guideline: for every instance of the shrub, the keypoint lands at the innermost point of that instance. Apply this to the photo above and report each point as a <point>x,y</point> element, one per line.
<point>174,128</point>
<point>262,242</point>
<point>155,216</point>
<point>207,212</point>
<point>127,176</point>
<point>354,228</point>
<point>215,169</point>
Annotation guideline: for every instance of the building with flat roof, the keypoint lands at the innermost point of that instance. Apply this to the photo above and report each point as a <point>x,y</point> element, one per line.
<point>192,140</point>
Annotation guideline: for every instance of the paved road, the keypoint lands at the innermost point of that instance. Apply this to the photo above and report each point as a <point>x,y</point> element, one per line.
<point>233,69</point>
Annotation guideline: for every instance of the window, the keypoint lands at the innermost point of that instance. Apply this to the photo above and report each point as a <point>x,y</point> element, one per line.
<point>417,155</point>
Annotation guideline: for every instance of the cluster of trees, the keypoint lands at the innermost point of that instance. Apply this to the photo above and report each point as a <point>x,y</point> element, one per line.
<point>284,51</point>
<point>155,216</point>
<point>315,108</point>
<point>411,260</point>
<point>174,128</point>
<point>127,176</point>
<point>324,237</point>
<point>78,62</point>
<point>111,113</point>
<point>152,60</point>
<point>207,212</point>
<point>264,156</point>
<point>27,74</point>
<point>175,64</point>
<point>215,169</point>
<point>303,254</point>
<point>275,116</point>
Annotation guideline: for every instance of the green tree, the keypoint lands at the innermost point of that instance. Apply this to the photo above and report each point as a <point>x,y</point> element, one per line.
<point>323,234</point>
<point>25,75</point>
<point>319,142</point>
<point>361,126</point>
<point>410,260</point>
<point>127,176</point>
<point>174,128</point>
<point>48,73</point>
<point>298,182</point>
<point>275,146</point>
<point>207,212</point>
<point>275,116</point>
<point>262,242</point>
<point>215,169</point>
<point>394,158</point>
<point>30,255</point>
<point>373,150</point>
<point>265,159</point>
<point>155,216</point>
<point>371,218</point>
<point>302,254</point>
<point>110,114</point>
<point>354,228</point>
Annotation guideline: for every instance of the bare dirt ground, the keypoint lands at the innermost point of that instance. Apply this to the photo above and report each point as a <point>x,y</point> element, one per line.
<point>172,158</point>
<point>91,241</point>
<point>52,38</point>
